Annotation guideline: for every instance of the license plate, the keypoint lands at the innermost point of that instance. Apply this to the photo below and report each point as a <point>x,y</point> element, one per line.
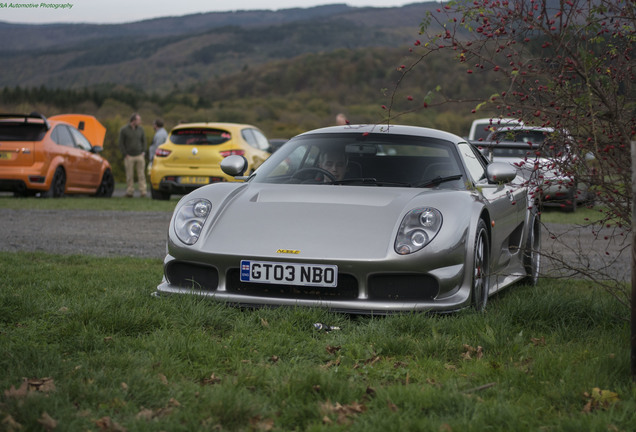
<point>194,180</point>
<point>5,155</point>
<point>289,273</point>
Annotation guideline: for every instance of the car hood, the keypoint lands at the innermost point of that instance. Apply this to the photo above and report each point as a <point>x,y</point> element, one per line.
<point>312,222</point>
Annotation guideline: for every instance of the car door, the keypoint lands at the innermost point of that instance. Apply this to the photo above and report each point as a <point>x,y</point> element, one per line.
<point>65,148</point>
<point>88,164</point>
<point>506,203</point>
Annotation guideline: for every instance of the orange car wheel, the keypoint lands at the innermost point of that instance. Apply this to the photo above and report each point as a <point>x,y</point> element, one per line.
<point>58,184</point>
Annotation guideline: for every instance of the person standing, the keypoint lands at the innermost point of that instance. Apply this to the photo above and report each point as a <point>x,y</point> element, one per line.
<point>132,144</point>
<point>161,135</point>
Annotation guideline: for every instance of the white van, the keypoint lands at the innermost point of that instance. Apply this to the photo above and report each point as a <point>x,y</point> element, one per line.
<point>481,128</point>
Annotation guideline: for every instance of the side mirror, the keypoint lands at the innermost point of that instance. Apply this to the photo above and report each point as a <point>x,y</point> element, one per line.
<point>234,165</point>
<point>500,172</point>
<point>97,149</point>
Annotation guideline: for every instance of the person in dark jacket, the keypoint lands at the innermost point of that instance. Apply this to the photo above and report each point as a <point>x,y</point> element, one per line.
<point>132,144</point>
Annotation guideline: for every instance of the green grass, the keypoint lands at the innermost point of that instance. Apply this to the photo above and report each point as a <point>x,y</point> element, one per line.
<point>116,354</point>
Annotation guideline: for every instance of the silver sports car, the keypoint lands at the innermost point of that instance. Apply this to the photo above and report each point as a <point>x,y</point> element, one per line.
<point>363,219</point>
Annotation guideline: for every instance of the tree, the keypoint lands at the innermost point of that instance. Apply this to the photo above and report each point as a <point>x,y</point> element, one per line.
<point>566,64</point>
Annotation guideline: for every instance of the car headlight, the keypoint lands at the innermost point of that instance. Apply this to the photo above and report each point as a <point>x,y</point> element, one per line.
<point>190,218</point>
<point>417,229</point>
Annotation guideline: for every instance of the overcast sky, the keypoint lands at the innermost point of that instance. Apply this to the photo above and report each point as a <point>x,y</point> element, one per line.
<point>119,11</point>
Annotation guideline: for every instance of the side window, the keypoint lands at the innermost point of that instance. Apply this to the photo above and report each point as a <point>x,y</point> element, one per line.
<point>80,140</point>
<point>473,160</point>
<point>62,136</point>
<point>261,140</point>
<point>255,139</point>
<point>248,136</point>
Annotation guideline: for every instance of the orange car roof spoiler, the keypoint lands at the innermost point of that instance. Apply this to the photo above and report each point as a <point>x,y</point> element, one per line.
<point>88,125</point>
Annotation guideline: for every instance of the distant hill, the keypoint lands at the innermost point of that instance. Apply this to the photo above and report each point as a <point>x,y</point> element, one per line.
<point>165,54</point>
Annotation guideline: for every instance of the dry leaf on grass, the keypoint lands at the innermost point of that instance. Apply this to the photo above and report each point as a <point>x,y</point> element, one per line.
<point>260,424</point>
<point>599,399</point>
<point>333,349</point>
<point>10,425</point>
<point>28,386</point>
<point>471,352</point>
<point>47,421</point>
<point>106,424</point>
<point>343,412</point>
<point>212,380</point>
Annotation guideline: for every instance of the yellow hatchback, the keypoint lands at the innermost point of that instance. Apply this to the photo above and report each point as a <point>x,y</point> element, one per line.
<point>192,154</point>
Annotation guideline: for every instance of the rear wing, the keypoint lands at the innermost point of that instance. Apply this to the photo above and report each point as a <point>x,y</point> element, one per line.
<point>26,118</point>
<point>88,125</point>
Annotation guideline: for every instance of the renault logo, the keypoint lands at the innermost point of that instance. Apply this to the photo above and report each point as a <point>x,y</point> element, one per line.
<point>195,151</point>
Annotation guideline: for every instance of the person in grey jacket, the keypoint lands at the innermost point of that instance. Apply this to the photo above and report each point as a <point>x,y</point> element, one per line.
<point>132,144</point>
<point>161,135</point>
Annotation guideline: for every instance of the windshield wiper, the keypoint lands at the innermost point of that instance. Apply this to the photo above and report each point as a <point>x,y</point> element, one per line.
<point>438,180</point>
<point>368,181</point>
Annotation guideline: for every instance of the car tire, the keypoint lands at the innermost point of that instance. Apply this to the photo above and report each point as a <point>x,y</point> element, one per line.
<point>106,186</point>
<point>58,184</point>
<point>532,250</point>
<point>480,268</point>
<point>159,195</point>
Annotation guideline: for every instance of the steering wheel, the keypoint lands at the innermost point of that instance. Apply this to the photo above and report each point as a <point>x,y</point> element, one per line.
<point>298,174</point>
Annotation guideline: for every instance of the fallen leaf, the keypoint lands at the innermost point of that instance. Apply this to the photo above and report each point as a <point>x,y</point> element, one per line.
<point>44,385</point>
<point>343,412</point>
<point>333,349</point>
<point>538,342</point>
<point>331,363</point>
<point>10,425</point>
<point>163,378</point>
<point>212,380</point>
<point>393,407</point>
<point>173,402</point>
<point>373,360</point>
<point>106,424</point>
<point>274,358</point>
<point>18,393</point>
<point>469,352</point>
<point>264,322</point>
<point>47,421</point>
<point>260,424</point>
<point>145,414</point>
<point>599,399</point>
<point>123,386</point>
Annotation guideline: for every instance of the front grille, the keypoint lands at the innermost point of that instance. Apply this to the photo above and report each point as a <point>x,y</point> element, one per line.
<point>402,287</point>
<point>192,276</point>
<point>347,289</point>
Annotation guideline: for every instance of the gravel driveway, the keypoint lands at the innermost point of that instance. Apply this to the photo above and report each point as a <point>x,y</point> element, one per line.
<point>143,234</point>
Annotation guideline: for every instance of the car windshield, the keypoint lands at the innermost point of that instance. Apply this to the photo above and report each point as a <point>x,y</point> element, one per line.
<point>21,131</point>
<point>199,136</point>
<point>358,159</point>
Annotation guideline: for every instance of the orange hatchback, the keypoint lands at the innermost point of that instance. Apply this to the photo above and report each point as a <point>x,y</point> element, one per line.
<point>53,156</point>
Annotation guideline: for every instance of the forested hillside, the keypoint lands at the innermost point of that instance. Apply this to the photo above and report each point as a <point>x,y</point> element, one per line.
<point>163,54</point>
<point>290,72</point>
